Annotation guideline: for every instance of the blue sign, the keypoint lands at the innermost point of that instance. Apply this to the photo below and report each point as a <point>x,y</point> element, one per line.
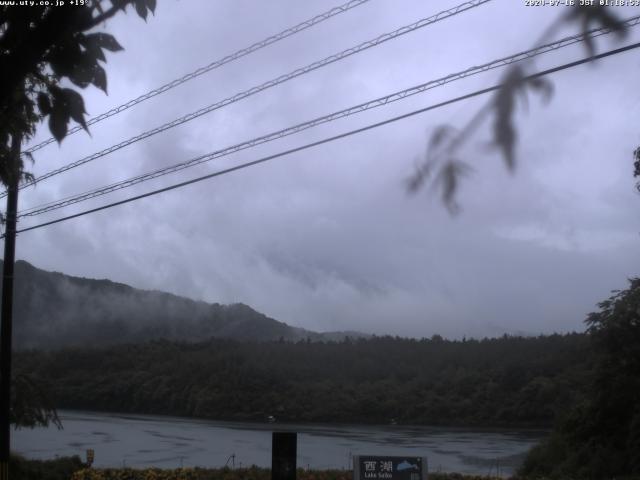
<point>367,467</point>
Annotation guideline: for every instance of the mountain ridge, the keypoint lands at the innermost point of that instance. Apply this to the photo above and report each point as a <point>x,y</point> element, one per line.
<point>53,309</point>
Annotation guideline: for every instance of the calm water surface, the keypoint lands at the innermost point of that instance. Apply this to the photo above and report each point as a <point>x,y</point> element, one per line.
<point>169,442</point>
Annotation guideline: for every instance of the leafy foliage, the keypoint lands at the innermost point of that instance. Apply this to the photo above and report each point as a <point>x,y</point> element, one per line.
<point>72,468</point>
<point>504,102</point>
<point>505,381</point>
<point>600,436</point>
<point>30,405</point>
<point>598,15</point>
<point>59,469</point>
<point>40,47</point>
<point>253,473</point>
<point>442,164</point>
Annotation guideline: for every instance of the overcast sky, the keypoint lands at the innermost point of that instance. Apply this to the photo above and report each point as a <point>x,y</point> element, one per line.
<point>328,239</point>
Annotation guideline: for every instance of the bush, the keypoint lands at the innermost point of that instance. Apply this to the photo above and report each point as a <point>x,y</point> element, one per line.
<point>252,473</point>
<point>59,469</point>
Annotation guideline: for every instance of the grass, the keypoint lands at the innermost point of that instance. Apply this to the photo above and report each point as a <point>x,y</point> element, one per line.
<point>59,469</point>
<point>72,468</point>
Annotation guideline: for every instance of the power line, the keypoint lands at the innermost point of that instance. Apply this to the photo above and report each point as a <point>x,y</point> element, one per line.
<point>271,83</point>
<point>212,66</point>
<point>381,101</point>
<point>330,139</point>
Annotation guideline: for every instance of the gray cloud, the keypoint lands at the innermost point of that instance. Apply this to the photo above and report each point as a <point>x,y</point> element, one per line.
<point>328,239</point>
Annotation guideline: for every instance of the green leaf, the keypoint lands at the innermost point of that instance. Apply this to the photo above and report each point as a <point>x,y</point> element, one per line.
<point>416,181</point>
<point>44,103</point>
<point>100,78</point>
<point>81,76</point>
<point>151,5</point>
<point>30,404</point>
<point>505,138</point>
<point>75,105</point>
<point>542,86</point>
<point>67,54</point>
<point>97,53</point>
<point>440,134</point>
<point>92,46</point>
<point>141,9</point>
<point>58,124</point>
<point>29,155</point>
<point>601,17</point>
<point>28,177</point>
<point>102,40</point>
<point>589,45</point>
<point>85,70</point>
<point>504,133</point>
<point>449,178</point>
<point>60,114</point>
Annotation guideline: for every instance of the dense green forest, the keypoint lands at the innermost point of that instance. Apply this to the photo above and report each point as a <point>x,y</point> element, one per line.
<point>586,385</point>
<point>599,436</point>
<point>503,381</point>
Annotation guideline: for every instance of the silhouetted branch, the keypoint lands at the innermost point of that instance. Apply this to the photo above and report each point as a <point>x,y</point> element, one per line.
<point>442,167</point>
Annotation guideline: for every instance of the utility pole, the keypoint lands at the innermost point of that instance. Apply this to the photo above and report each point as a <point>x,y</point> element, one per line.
<point>284,452</point>
<point>13,165</point>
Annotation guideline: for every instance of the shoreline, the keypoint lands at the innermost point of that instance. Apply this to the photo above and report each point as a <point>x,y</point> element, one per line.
<point>141,440</point>
<point>284,424</point>
<point>73,468</point>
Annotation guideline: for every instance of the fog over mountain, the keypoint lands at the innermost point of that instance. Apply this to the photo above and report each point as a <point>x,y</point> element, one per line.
<point>328,239</point>
<point>52,310</point>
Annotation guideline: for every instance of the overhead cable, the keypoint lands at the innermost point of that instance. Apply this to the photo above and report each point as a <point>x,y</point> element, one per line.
<point>378,102</point>
<point>329,139</point>
<point>212,66</point>
<point>271,83</point>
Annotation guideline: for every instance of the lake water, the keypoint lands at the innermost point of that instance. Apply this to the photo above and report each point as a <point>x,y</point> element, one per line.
<point>170,442</point>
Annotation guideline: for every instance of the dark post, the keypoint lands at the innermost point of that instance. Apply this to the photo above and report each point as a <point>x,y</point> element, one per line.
<point>7,309</point>
<point>284,450</point>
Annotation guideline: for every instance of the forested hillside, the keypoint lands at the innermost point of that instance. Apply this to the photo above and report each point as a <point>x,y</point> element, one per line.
<point>599,436</point>
<point>505,381</point>
<point>54,310</point>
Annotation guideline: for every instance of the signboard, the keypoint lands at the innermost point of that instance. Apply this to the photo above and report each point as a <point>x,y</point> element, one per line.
<point>284,447</point>
<point>368,467</point>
